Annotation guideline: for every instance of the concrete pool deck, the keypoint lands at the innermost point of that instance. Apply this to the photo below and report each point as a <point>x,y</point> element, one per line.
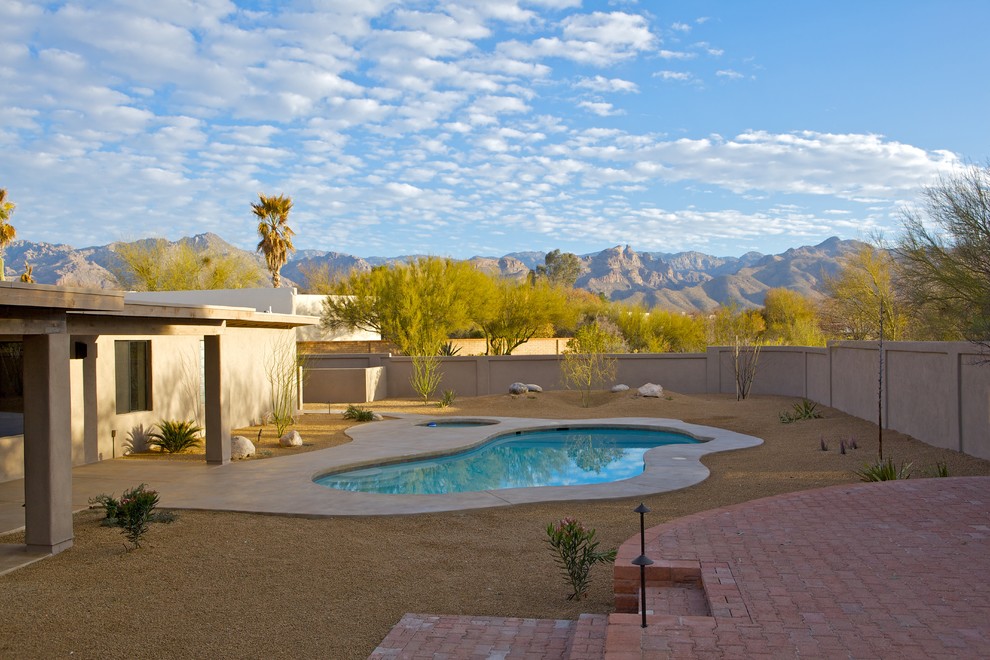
<point>284,485</point>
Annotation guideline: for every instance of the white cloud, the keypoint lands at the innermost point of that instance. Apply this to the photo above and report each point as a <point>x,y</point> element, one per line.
<point>598,38</point>
<point>673,75</point>
<point>729,74</point>
<point>599,108</point>
<point>675,55</point>
<point>603,84</point>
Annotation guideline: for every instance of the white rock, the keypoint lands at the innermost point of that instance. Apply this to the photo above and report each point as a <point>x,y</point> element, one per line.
<point>651,390</point>
<point>533,388</point>
<point>620,388</point>
<point>377,417</point>
<point>291,439</point>
<point>241,447</point>
<point>518,388</point>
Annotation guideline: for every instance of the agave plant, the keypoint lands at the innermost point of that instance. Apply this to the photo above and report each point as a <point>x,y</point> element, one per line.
<point>174,436</point>
<point>884,471</point>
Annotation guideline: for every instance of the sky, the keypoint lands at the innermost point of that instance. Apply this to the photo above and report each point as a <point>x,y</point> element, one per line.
<point>485,127</point>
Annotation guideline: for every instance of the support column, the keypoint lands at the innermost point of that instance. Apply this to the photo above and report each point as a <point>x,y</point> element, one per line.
<point>217,406</point>
<point>47,443</point>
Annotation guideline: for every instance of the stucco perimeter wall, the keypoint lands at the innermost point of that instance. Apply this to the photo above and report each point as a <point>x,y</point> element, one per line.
<point>938,392</point>
<point>782,370</point>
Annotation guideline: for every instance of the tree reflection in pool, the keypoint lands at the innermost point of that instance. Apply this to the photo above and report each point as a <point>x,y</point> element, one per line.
<point>545,457</point>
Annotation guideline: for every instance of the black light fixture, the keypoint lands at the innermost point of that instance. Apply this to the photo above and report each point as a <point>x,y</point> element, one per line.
<point>642,561</point>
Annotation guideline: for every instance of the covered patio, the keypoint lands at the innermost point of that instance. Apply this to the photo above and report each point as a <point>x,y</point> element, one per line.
<point>56,326</point>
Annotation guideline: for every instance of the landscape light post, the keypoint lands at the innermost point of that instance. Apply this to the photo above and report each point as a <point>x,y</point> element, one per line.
<point>642,561</point>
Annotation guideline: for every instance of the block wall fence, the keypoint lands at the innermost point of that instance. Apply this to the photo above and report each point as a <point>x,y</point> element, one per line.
<point>937,392</point>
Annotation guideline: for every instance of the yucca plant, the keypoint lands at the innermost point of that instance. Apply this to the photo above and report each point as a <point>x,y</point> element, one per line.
<point>884,471</point>
<point>174,436</point>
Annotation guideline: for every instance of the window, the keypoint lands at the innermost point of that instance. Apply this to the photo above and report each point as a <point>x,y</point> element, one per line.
<point>133,366</point>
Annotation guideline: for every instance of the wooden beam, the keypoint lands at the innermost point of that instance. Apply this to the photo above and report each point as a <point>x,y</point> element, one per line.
<point>20,294</point>
<point>79,324</point>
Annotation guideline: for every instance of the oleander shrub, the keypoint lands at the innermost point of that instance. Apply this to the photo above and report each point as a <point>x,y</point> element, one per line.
<point>576,551</point>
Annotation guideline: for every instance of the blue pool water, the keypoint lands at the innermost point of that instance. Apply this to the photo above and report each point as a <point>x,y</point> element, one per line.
<point>546,457</point>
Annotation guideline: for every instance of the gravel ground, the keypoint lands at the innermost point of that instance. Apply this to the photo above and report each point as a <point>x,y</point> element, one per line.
<point>253,586</point>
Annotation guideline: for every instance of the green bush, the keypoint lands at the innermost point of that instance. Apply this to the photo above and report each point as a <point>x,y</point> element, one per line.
<point>576,552</point>
<point>132,512</point>
<point>884,471</point>
<point>447,399</point>
<point>174,436</point>
<point>358,414</point>
<point>805,409</point>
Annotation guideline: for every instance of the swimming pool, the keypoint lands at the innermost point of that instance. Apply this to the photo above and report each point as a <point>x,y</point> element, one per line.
<point>562,456</point>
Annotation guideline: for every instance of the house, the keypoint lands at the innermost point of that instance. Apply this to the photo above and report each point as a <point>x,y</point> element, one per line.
<point>84,374</point>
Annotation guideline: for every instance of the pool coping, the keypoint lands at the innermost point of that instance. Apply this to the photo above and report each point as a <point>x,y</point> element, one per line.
<point>285,484</point>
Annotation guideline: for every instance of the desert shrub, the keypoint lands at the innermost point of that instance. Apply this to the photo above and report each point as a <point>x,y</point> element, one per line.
<point>940,469</point>
<point>576,551</point>
<point>134,512</point>
<point>110,505</point>
<point>174,436</point>
<point>359,414</point>
<point>586,364</point>
<point>447,399</point>
<point>426,375</point>
<point>804,409</point>
<point>884,471</point>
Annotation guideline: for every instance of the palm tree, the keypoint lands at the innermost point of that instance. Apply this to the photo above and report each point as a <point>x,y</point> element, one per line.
<point>276,235</point>
<point>7,231</point>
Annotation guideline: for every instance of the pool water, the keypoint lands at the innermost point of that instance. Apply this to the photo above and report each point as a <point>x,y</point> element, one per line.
<point>545,457</point>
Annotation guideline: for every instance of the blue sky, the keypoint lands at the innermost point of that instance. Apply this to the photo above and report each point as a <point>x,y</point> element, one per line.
<point>483,127</point>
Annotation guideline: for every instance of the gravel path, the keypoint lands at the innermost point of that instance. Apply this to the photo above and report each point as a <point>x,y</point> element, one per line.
<point>253,586</point>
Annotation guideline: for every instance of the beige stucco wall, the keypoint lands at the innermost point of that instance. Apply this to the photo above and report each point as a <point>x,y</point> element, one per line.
<point>176,390</point>
<point>938,392</point>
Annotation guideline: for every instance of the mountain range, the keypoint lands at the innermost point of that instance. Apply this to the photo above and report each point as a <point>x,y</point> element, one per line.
<point>684,281</point>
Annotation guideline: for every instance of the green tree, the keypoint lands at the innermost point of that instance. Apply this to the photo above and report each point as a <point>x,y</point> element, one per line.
<point>729,325</point>
<point>7,231</point>
<point>559,268</point>
<point>276,235</point>
<point>860,294</point>
<point>158,265</point>
<point>657,330</point>
<point>791,319</point>
<point>944,256</point>
<point>415,306</point>
<point>511,313</point>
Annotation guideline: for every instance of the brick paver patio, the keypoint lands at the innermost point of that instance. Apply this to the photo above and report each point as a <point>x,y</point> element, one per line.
<point>890,570</point>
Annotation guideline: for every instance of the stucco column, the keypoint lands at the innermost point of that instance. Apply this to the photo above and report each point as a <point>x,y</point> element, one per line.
<point>47,443</point>
<point>217,405</point>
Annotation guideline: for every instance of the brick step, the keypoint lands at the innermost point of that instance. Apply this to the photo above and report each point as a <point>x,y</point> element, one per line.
<point>425,637</point>
<point>588,638</point>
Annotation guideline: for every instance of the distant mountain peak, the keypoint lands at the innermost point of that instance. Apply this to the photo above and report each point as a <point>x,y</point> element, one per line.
<point>684,281</point>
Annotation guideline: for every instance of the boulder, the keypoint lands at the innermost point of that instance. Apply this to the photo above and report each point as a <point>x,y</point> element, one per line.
<point>241,447</point>
<point>377,417</point>
<point>291,439</point>
<point>620,388</point>
<point>518,388</point>
<point>533,388</point>
<point>651,390</point>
